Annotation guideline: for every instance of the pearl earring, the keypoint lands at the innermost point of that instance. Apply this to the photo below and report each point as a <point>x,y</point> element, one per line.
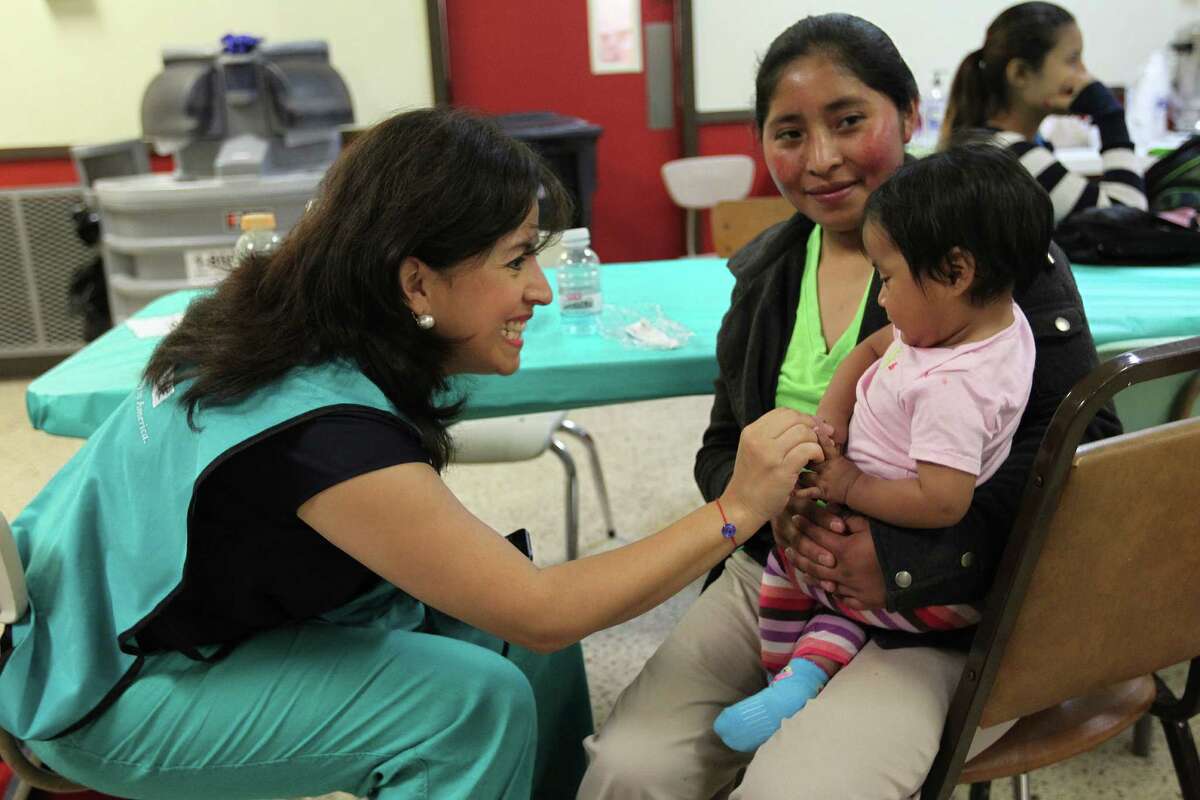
<point>425,321</point>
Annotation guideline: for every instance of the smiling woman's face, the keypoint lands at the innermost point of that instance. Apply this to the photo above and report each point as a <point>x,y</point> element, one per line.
<point>484,304</point>
<point>829,140</point>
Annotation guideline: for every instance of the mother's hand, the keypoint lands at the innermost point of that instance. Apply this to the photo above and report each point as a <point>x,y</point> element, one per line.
<point>836,551</point>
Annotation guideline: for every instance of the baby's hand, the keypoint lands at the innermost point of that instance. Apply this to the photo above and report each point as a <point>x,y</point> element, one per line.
<point>837,419</point>
<point>831,479</point>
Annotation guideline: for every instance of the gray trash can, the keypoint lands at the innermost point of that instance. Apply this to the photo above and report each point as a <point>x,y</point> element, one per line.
<point>569,146</point>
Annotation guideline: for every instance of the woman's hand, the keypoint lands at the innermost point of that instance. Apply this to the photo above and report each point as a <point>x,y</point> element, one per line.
<point>834,550</point>
<point>771,453</point>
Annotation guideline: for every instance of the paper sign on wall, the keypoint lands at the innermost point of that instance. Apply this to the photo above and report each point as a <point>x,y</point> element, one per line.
<point>615,36</point>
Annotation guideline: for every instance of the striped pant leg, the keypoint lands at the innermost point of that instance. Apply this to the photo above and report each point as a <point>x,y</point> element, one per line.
<point>917,620</point>
<point>839,636</point>
<point>831,636</point>
<point>784,609</point>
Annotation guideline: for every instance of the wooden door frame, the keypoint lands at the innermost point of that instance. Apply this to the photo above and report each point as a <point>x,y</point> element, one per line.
<point>439,51</point>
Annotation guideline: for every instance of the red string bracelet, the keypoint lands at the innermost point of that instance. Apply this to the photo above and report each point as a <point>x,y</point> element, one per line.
<point>728,530</point>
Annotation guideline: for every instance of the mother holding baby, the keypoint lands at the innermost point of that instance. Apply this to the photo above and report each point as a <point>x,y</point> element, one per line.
<point>835,105</point>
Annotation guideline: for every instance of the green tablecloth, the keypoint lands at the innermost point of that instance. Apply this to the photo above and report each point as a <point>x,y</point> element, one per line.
<point>1125,303</point>
<point>564,371</point>
<point>557,370</point>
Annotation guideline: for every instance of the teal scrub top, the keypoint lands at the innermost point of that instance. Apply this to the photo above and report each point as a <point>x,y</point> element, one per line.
<point>104,543</point>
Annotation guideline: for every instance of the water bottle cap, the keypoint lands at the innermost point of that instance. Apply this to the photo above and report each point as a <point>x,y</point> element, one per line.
<point>263,221</point>
<point>576,237</point>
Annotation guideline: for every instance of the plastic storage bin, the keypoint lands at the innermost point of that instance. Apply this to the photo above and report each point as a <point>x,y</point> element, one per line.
<point>161,234</point>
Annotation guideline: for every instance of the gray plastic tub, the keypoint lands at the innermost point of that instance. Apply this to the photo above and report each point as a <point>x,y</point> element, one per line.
<point>160,234</point>
<point>158,205</point>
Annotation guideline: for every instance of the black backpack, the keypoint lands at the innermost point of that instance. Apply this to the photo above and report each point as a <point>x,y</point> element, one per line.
<point>1174,180</point>
<point>1126,236</point>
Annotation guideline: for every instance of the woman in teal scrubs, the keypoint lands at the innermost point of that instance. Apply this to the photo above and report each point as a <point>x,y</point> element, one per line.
<point>252,582</point>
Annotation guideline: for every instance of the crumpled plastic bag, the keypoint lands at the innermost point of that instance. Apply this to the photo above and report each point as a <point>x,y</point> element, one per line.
<point>643,327</point>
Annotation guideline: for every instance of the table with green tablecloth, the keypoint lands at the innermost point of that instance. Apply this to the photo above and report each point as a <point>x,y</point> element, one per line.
<point>568,371</point>
<point>558,370</point>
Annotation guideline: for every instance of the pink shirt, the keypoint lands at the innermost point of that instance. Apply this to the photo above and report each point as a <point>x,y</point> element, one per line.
<point>954,406</point>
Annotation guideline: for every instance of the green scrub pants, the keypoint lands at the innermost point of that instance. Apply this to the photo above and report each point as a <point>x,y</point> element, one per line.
<point>322,707</point>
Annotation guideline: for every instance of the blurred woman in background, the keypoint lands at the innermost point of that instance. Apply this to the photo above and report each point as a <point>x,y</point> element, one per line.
<point>1029,67</point>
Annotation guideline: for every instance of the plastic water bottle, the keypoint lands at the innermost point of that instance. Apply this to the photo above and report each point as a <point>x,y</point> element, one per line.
<point>258,238</point>
<point>933,111</point>
<point>579,299</point>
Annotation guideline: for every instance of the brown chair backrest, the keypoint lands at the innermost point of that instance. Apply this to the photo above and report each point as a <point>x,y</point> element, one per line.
<point>1115,592</point>
<point>1100,578</point>
<point>735,222</point>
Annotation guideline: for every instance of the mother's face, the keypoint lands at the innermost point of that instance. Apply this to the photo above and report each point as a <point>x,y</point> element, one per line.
<point>829,140</point>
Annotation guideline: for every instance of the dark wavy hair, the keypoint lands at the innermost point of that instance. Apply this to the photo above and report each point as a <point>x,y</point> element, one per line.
<point>976,197</point>
<point>439,184</point>
<point>1027,31</point>
<point>852,42</point>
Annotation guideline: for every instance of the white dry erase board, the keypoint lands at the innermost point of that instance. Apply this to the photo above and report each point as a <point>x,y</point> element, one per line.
<point>729,37</point>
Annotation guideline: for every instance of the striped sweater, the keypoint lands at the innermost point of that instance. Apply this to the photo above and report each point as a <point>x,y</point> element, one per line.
<point>1121,181</point>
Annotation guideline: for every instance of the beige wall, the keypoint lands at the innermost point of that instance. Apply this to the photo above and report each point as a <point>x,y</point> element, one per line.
<point>73,71</point>
<point>1118,36</point>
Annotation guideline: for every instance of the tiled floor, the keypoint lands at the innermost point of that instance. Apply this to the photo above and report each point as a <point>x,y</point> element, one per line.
<point>647,451</point>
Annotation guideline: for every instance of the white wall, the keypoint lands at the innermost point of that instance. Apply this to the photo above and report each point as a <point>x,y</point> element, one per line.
<point>73,71</point>
<point>729,37</point>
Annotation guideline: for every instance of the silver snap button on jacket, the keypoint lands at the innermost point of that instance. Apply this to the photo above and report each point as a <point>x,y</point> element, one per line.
<point>903,579</point>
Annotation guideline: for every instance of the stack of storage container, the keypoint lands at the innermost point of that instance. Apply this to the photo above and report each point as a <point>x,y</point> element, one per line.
<point>252,128</point>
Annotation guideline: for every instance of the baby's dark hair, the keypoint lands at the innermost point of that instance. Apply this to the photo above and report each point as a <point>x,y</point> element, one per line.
<point>976,197</point>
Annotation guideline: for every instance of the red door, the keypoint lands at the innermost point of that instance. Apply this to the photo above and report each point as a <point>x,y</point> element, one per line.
<point>532,55</point>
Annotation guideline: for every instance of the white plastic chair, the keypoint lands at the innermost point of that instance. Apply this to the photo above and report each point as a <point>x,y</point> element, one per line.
<point>519,438</point>
<point>703,181</point>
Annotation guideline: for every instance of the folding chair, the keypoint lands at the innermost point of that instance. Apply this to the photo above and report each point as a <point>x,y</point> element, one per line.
<point>1098,588</point>
<point>701,182</point>
<point>736,222</point>
<point>503,440</point>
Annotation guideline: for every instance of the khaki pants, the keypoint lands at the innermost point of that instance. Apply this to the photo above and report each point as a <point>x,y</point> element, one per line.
<point>872,733</point>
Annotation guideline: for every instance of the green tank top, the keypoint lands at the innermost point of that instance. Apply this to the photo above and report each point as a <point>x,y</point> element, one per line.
<point>807,368</point>
<point>104,543</point>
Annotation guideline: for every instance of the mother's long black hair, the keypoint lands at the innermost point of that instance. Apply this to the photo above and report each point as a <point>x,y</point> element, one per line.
<point>439,184</point>
<point>853,43</point>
